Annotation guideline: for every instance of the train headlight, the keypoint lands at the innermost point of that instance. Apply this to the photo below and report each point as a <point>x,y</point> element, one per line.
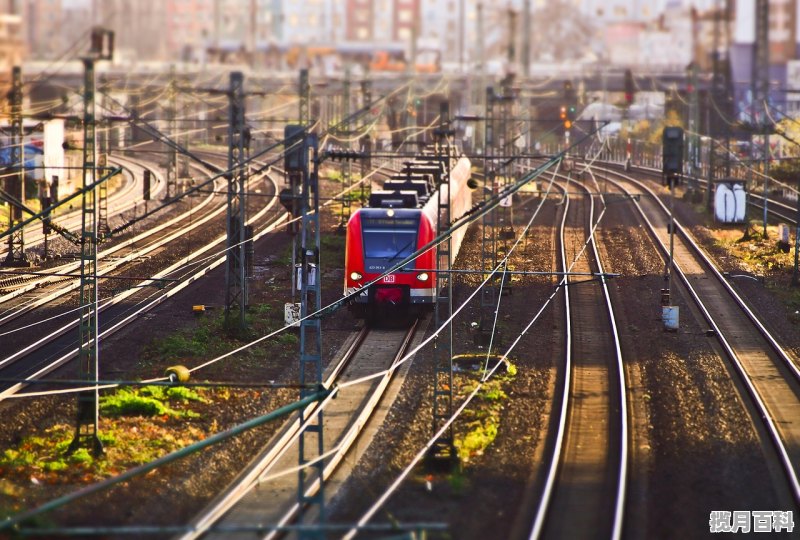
<point>390,213</point>
<point>423,276</point>
<point>355,276</point>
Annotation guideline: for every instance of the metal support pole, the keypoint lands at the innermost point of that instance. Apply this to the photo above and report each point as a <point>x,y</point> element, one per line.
<point>526,39</point>
<point>443,449</point>
<point>102,161</point>
<point>488,236</point>
<point>172,155</point>
<point>760,89</point>
<point>693,127</point>
<point>366,96</point>
<point>235,268</point>
<point>310,341</point>
<point>296,184</point>
<point>86,425</point>
<point>347,167</point>
<point>16,182</point>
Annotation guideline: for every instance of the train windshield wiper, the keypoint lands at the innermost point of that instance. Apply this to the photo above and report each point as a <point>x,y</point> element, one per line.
<point>400,251</point>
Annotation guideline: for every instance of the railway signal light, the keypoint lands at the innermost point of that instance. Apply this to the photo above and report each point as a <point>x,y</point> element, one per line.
<point>672,152</point>
<point>102,43</point>
<point>294,158</point>
<point>630,89</point>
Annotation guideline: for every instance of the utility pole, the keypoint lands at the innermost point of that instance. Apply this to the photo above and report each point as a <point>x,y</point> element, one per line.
<point>310,338</point>
<point>526,39</point>
<point>719,99</point>
<point>512,38</point>
<point>443,450</point>
<point>295,176</point>
<point>102,160</point>
<point>366,146</point>
<point>172,155</point>
<point>236,267</point>
<point>86,425</point>
<point>488,233</point>
<point>693,125</point>
<point>480,93</point>
<point>16,241</point>
<point>347,168</point>
<point>760,89</point>
<point>252,41</point>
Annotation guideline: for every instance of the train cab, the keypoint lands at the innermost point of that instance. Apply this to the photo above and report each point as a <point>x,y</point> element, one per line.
<point>377,240</point>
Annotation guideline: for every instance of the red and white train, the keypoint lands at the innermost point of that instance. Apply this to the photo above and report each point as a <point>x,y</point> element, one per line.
<point>401,219</point>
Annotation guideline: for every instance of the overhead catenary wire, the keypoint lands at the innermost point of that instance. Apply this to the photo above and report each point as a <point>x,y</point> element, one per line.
<point>475,213</point>
<point>152,465</point>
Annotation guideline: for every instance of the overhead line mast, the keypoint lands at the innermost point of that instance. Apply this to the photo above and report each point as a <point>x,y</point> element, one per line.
<point>443,450</point>
<point>86,424</point>
<point>16,183</point>
<point>236,268</point>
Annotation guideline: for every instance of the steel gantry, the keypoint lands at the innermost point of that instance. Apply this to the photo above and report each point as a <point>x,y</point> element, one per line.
<point>235,268</point>
<point>86,426</point>
<point>16,182</point>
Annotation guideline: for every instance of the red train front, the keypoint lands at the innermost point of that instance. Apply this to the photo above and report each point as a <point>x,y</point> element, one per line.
<point>378,239</point>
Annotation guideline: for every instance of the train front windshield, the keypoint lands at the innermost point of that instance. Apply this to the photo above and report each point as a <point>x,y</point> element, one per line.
<point>388,240</point>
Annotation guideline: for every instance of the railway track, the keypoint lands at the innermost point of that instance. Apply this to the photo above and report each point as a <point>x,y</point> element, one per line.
<point>57,346</point>
<point>266,492</point>
<point>778,208</point>
<point>41,290</point>
<point>584,488</point>
<point>768,373</point>
<point>119,201</point>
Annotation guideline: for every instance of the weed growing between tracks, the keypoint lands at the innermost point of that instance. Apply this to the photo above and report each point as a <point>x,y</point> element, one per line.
<point>481,421</point>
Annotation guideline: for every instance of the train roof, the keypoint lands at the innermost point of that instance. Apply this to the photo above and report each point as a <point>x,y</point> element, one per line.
<point>374,213</point>
<point>404,198</point>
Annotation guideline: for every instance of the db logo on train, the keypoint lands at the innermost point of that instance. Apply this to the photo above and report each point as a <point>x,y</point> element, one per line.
<point>389,278</point>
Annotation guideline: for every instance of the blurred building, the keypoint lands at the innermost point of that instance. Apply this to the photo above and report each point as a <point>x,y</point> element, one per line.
<point>44,21</point>
<point>139,27</point>
<point>76,22</point>
<point>189,25</point>
<point>12,45</point>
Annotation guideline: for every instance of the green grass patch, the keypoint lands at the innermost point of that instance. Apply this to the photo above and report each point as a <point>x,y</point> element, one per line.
<point>480,422</point>
<point>182,344</point>
<point>137,425</point>
<point>149,401</point>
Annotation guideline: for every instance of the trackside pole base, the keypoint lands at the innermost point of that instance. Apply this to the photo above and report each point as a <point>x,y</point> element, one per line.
<point>16,262</point>
<point>86,426</point>
<point>442,458</point>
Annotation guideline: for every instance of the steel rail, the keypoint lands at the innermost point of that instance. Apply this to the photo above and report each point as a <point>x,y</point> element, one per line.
<point>622,458</point>
<point>552,471</point>
<point>747,380</point>
<point>114,264</point>
<point>119,298</point>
